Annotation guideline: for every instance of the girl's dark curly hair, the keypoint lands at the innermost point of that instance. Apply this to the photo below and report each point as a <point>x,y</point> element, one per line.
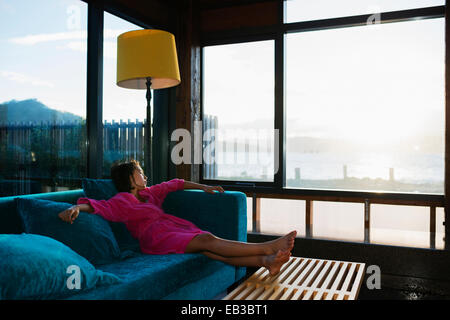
<point>121,172</point>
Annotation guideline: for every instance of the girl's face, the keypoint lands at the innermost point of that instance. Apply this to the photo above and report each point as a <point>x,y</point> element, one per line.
<point>140,180</point>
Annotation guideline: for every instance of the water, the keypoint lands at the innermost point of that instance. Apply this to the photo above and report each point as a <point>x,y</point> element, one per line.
<point>414,168</point>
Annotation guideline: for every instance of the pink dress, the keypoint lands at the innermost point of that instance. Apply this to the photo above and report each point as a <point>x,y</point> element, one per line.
<point>157,231</point>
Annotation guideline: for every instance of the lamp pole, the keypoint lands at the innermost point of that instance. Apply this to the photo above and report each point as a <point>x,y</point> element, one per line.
<point>148,136</point>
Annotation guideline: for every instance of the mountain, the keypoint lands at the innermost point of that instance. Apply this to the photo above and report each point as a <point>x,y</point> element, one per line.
<point>34,111</point>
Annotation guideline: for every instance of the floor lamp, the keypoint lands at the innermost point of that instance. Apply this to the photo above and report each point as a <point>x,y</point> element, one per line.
<point>147,59</point>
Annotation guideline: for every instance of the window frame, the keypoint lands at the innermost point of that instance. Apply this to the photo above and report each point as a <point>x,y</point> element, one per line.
<point>278,33</point>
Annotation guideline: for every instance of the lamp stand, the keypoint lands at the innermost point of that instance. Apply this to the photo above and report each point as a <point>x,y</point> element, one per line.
<point>148,136</point>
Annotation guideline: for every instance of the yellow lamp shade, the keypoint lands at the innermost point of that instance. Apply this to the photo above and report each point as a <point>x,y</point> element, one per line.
<point>147,53</point>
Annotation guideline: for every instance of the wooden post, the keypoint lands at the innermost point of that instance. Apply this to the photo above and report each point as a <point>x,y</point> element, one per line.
<point>256,219</point>
<point>391,175</point>
<point>432,227</point>
<point>447,129</point>
<point>187,36</point>
<point>297,174</point>
<point>309,219</point>
<point>366,221</point>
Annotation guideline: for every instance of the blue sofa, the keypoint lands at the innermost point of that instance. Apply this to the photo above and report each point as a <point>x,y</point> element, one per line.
<point>173,276</point>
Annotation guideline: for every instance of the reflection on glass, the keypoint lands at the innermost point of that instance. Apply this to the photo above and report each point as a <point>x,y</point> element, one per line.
<point>238,108</point>
<point>124,110</point>
<point>301,10</point>
<point>440,229</point>
<point>341,221</point>
<point>43,96</point>
<point>401,225</point>
<point>279,216</point>
<point>365,108</point>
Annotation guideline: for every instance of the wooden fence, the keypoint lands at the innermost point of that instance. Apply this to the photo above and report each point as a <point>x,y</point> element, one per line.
<point>44,156</point>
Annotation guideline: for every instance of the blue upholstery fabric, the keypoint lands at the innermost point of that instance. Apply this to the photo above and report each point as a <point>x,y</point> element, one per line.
<point>176,276</point>
<point>158,276</point>
<point>89,235</point>
<point>99,189</point>
<point>36,267</point>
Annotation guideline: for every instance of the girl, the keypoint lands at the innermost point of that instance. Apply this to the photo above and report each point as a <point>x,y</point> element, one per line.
<point>140,208</point>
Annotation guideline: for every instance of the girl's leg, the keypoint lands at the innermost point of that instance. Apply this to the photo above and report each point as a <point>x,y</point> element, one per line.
<point>230,248</point>
<point>272,262</point>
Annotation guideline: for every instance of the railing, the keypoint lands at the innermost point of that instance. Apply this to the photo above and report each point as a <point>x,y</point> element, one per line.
<point>32,153</point>
<point>438,202</point>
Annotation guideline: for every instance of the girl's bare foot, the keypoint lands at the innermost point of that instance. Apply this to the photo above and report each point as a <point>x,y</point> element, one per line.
<point>285,243</point>
<point>274,262</point>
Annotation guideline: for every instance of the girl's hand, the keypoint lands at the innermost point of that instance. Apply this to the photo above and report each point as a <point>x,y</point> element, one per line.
<point>210,189</point>
<point>70,214</point>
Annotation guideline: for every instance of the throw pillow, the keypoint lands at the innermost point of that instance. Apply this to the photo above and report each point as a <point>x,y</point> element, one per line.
<point>89,235</point>
<point>38,267</point>
<point>99,189</point>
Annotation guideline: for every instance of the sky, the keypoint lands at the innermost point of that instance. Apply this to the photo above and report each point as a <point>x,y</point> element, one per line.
<point>43,55</point>
<point>380,81</point>
<point>43,47</point>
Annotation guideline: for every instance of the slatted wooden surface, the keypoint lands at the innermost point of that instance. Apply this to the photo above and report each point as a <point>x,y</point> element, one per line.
<point>303,279</point>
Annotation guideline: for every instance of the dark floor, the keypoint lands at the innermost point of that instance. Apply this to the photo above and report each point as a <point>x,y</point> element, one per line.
<point>406,288</point>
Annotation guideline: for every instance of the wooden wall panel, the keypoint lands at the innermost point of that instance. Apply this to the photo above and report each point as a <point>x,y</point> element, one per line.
<point>236,17</point>
<point>157,13</point>
<point>447,128</point>
<point>188,92</point>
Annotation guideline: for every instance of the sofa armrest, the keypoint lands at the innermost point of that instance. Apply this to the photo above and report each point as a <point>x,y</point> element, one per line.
<point>223,214</point>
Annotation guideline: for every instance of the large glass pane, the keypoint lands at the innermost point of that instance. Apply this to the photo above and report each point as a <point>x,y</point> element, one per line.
<point>43,95</point>
<point>238,109</point>
<point>338,221</point>
<point>301,10</point>
<point>401,225</point>
<point>365,108</point>
<point>280,216</point>
<point>124,110</point>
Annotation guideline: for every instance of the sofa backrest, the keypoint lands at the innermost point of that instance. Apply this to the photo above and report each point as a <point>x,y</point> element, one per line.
<point>10,221</point>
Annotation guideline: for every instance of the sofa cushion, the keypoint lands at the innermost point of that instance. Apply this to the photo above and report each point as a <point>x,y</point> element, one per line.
<point>156,276</point>
<point>89,235</point>
<point>38,267</point>
<point>99,189</point>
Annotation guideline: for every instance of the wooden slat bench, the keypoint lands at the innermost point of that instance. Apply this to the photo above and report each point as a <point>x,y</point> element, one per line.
<point>303,279</point>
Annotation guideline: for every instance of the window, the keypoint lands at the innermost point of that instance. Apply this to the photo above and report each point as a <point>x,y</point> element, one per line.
<point>369,116</point>
<point>43,97</point>
<point>279,216</point>
<point>124,110</point>
<point>400,225</point>
<point>362,107</point>
<point>238,111</point>
<point>343,221</point>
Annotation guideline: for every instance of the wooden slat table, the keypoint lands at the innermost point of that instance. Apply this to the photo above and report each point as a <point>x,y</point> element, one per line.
<point>303,279</point>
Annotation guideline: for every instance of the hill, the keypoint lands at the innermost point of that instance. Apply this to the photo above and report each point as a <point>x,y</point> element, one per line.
<point>34,111</point>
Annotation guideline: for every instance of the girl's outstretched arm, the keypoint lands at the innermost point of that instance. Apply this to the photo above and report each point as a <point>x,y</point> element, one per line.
<point>70,214</point>
<point>204,187</point>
